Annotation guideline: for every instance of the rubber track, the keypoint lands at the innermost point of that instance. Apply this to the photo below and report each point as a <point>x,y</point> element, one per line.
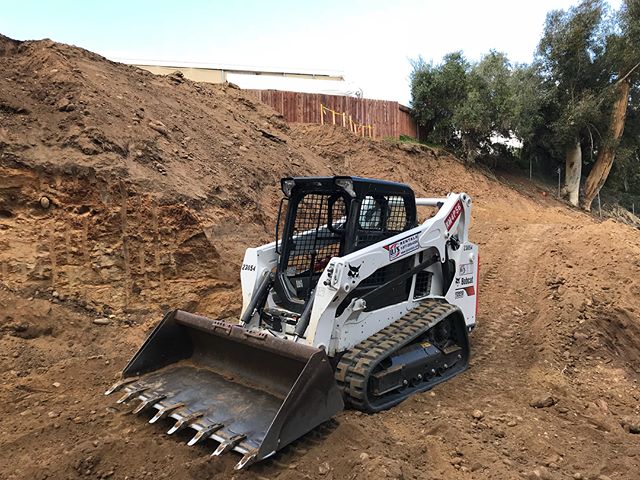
<point>355,366</point>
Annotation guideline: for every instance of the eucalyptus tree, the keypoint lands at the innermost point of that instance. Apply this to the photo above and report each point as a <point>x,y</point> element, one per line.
<point>571,58</point>
<point>623,54</point>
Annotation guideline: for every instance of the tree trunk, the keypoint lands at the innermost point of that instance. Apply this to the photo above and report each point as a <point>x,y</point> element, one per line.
<point>470,148</point>
<point>607,153</point>
<point>573,172</point>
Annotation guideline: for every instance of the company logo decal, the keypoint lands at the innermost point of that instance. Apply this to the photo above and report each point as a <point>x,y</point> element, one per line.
<point>403,247</point>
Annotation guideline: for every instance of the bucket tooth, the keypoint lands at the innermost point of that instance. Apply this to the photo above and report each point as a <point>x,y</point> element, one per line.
<point>149,402</point>
<point>248,459</point>
<point>119,384</point>
<point>164,411</point>
<point>204,433</point>
<point>184,422</point>
<point>131,393</point>
<point>228,445</point>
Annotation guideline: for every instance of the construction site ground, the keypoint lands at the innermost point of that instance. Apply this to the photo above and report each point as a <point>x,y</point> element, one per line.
<point>124,194</point>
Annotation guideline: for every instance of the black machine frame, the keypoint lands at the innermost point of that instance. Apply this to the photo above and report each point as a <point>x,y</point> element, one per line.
<point>347,237</point>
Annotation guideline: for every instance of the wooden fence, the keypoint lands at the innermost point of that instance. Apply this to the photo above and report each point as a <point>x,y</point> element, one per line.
<point>389,119</point>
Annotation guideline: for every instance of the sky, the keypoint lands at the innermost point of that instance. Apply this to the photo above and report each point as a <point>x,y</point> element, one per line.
<point>370,42</point>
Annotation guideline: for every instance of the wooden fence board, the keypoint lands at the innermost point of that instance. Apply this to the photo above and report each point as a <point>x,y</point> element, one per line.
<point>389,119</point>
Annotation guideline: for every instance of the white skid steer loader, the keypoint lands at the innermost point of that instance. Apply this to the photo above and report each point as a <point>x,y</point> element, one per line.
<point>355,303</point>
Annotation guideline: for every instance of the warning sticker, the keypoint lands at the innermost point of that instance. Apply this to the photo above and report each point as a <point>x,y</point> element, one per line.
<point>403,247</point>
<point>453,215</point>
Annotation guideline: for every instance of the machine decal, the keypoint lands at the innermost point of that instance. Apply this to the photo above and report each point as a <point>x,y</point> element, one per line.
<point>462,281</point>
<point>470,291</point>
<point>453,215</point>
<point>403,247</point>
<point>466,269</point>
<point>354,271</point>
<point>249,267</point>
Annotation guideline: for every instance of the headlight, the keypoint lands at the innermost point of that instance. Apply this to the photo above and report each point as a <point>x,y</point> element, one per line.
<point>287,186</point>
<point>347,185</point>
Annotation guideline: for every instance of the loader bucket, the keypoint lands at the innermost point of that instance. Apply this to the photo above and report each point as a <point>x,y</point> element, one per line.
<point>248,390</point>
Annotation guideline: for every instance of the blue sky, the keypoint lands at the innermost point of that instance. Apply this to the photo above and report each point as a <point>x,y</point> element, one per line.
<point>370,42</point>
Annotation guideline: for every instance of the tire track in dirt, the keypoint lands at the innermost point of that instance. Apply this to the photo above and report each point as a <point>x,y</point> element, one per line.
<point>508,285</point>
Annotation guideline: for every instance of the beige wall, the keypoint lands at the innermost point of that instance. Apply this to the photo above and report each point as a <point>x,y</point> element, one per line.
<point>212,75</point>
<point>195,74</point>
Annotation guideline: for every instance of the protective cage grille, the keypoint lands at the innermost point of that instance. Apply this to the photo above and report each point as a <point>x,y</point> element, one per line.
<point>315,242</point>
<point>423,284</point>
<point>380,218</point>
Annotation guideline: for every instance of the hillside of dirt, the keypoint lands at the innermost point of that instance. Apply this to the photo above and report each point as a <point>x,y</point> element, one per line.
<point>124,194</point>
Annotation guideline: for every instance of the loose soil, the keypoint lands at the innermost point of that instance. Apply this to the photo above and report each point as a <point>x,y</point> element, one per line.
<point>124,194</point>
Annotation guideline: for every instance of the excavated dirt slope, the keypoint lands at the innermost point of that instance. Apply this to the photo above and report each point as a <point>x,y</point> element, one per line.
<point>123,194</point>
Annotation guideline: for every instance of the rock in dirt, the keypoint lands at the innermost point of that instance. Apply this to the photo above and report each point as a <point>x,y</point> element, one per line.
<point>272,136</point>
<point>65,105</point>
<point>324,468</point>
<point>45,202</point>
<point>540,473</point>
<point>631,424</point>
<point>543,401</point>
<point>159,127</point>
<point>580,336</point>
<point>101,321</point>
<point>176,77</point>
<point>602,405</point>
<point>478,414</point>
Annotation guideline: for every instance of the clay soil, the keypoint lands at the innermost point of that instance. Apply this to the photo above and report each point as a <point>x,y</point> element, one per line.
<point>124,194</point>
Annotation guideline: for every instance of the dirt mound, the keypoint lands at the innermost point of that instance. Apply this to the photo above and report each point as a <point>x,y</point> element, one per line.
<point>120,176</point>
<point>123,194</point>
<point>8,46</point>
<point>619,333</point>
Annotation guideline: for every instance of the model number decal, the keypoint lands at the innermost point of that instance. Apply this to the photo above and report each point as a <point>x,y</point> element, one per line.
<point>453,215</point>
<point>470,291</point>
<point>466,269</point>
<point>248,267</point>
<point>403,247</point>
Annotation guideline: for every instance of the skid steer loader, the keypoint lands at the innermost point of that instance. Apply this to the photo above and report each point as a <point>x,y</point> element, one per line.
<point>355,303</point>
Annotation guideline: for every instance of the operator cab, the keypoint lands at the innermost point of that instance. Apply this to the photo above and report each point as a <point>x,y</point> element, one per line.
<point>329,217</point>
